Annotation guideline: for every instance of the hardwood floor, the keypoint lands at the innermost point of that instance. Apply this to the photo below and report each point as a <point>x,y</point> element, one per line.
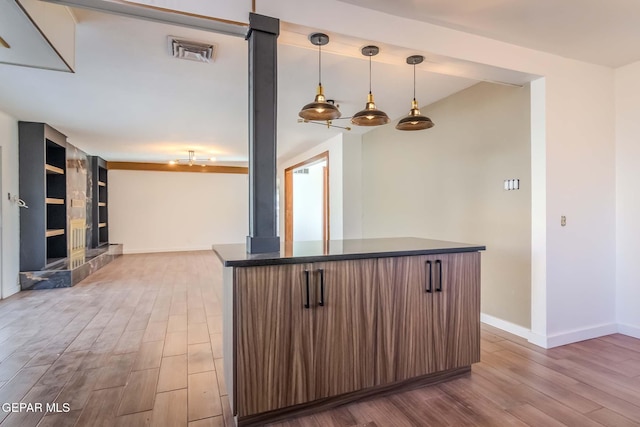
<point>139,344</point>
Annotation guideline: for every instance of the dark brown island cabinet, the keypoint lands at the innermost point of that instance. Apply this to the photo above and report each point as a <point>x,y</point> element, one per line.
<point>324,323</point>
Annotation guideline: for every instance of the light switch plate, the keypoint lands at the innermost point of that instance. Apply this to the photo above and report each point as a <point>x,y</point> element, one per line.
<point>563,221</point>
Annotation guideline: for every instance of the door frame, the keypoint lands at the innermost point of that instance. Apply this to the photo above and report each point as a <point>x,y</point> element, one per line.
<point>288,196</point>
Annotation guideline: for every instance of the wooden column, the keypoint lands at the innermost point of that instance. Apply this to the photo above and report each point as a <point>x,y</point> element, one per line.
<point>263,67</point>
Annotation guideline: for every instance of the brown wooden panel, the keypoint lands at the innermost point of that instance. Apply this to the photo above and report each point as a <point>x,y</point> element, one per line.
<point>288,205</point>
<point>345,326</point>
<point>274,338</point>
<point>163,167</point>
<point>422,332</point>
<point>456,311</point>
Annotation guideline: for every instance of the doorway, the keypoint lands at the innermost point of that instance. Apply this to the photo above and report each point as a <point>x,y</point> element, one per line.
<point>306,199</point>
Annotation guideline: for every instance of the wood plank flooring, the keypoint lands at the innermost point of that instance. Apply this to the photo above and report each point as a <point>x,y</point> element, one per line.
<point>139,344</point>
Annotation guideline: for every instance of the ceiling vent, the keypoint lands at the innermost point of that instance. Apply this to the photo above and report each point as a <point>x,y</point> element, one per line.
<point>193,51</point>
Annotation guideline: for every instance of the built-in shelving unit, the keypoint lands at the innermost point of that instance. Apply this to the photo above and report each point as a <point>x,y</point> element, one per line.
<point>54,233</point>
<point>43,186</point>
<point>53,169</point>
<point>52,201</point>
<point>100,220</point>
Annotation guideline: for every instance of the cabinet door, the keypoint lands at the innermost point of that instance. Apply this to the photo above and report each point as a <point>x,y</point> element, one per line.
<point>405,330</point>
<point>456,310</point>
<point>345,322</point>
<point>274,338</point>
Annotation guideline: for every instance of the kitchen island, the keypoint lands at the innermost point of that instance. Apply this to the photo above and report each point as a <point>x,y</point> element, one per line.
<point>320,324</point>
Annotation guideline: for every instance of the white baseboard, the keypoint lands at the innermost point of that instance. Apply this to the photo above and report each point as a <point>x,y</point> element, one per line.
<point>539,340</point>
<point>580,335</point>
<point>10,291</point>
<point>557,340</point>
<point>156,250</point>
<point>512,328</point>
<point>630,330</point>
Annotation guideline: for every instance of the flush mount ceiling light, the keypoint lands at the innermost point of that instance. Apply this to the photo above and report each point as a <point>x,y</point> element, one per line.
<point>193,160</point>
<point>193,51</point>
<point>415,120</point>
<point>370,116</point>
<point>320,108</point>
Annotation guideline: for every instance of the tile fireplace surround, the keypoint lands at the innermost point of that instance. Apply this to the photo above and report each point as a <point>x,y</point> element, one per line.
<point>67,273</point>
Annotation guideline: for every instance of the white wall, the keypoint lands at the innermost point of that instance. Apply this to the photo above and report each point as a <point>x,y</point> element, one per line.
<point>174,211</point>
<point>10,211</point>
<point>446,183</point>
<point>345,184</point>
<point>308,203</point>
<point>334,146</point>
<point>573,288</point>
<point>628,198</point>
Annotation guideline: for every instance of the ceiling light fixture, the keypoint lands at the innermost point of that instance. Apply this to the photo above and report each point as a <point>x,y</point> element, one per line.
<point>370,116</point>
<point>193,160</point>
<point>319,109</point>
<point>329,124</point>
<point>415,120</point>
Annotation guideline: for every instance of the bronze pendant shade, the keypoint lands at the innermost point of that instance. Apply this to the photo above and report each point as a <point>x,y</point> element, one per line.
<point>319,109</point>
<point>415,120</point>
<point>370,116</point>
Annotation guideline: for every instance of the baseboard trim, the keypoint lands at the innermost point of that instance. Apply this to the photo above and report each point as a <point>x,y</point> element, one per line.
<point>512,328</point>
<point>11,291</point>
<point>539,340</point>
<point>154,251</point>
<point>629,330</point>
<point>565,338</point>
<point>581,335</point>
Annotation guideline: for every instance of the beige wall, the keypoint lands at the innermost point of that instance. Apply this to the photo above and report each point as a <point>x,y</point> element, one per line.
<point>447,183</point>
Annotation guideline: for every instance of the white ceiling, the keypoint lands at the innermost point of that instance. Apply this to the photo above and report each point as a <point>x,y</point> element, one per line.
<point>602,32</point>
<point>129,100</point>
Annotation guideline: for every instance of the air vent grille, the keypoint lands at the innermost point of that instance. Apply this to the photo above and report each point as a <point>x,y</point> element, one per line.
<point>191,50</point>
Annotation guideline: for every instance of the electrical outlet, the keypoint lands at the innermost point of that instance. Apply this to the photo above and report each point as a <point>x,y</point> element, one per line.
<point>563,221</point>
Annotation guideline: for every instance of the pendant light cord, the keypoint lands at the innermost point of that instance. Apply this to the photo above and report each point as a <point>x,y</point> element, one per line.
<point>414,82</point>
<point>319,65</point>
<point>370,73</point>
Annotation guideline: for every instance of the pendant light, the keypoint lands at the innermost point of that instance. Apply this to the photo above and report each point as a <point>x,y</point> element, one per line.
<point>319,109</point>
<point>415,120</point>
<point>370,116</point>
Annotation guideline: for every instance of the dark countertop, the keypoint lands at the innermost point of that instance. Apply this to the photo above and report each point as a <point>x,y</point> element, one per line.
<point>334,250</point>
